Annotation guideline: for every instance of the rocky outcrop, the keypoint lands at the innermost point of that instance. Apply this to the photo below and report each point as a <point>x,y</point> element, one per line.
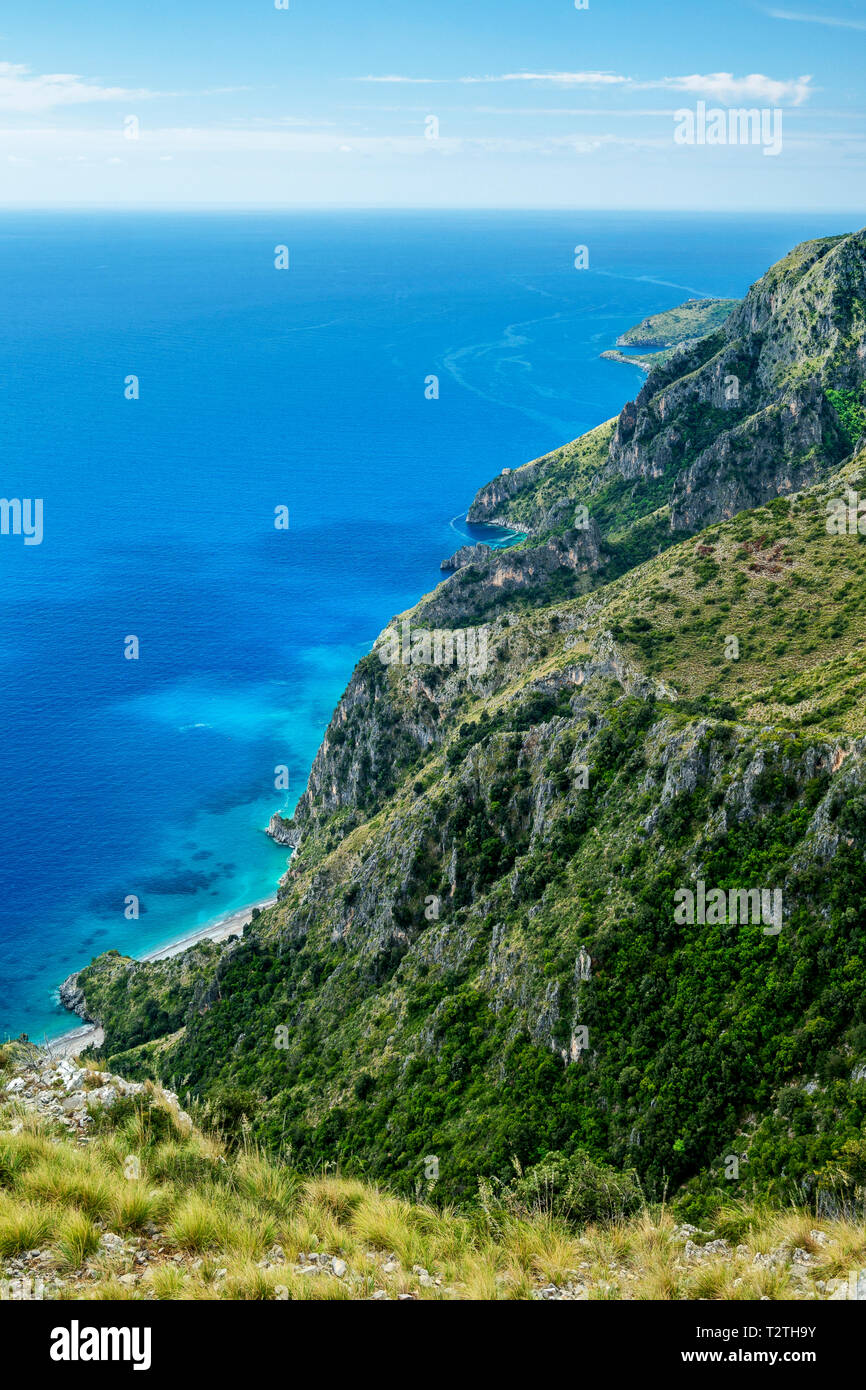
<point>488,577</point>
<point>72,1095</point>
<point>786,445</point>
<point>743,416</point>
<point>465,556</point>
<point>73,998</point>
<point>367,745</point>
<point>723,424</point>
<point>283,831</point>
<point>490,501</point>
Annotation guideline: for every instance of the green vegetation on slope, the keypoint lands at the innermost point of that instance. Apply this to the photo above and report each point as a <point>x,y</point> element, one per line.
<point>150,1207</point>
<point>671,329</point>
<point>693,319</point>
<point>475,954</point>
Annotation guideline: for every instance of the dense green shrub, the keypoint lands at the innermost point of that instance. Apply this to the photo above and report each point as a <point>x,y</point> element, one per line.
<point>577,1189</point>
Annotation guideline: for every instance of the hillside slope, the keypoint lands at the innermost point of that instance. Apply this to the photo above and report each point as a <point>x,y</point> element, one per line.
<point>670,331</point>
<point>478,953</point>
<point>109,1192</point>
<point>769,403</point>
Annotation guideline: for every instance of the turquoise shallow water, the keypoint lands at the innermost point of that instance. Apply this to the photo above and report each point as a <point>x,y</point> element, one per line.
<point>257,389</point>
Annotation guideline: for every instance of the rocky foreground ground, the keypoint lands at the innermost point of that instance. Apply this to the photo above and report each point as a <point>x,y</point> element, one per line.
<point>109,1191</point>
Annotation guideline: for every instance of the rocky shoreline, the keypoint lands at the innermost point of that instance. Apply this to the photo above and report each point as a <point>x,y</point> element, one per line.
<point>72,996</point>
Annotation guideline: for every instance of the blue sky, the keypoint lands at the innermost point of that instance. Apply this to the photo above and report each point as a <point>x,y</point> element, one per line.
<point>539,104</point>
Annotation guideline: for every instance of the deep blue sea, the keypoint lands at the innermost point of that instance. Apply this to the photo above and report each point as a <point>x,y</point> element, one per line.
<point>259,388</point>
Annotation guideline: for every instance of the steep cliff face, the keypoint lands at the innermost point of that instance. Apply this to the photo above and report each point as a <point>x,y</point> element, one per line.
<point>753,411</point>
<point>774,452</point>
<point>74,998</point>
<point>747,417</point>
<point>381,730</point>
<point>475,953</point>
<point>489,577</point>
<point>806,316</point>
<point>465,556</point>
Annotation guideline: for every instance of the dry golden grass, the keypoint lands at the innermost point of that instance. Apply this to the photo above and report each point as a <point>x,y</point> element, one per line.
<point>206,1223</point>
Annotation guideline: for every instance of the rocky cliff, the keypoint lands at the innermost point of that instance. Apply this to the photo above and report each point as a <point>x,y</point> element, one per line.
<point>755,410</point>
<point>476,953</point>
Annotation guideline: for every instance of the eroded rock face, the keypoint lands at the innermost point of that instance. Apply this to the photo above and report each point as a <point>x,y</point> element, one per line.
<point>283,832</point>
<point>730,421</point>
<point>787,445</point>
<point>72,996</point>
<point>484,576</point>
<point>368,737</point>
<point>766,371</point>
<point>491,499</point>
<point>465,556</point>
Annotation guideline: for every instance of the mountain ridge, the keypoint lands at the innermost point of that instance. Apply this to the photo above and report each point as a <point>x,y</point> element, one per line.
<point>474,952</point>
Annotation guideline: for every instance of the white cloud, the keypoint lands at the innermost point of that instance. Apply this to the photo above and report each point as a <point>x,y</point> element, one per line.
<point>563,79</point>
<point>25,91</point>
<point>830,20</point>
<point>170,143</point>
<point>406,81</point>
<point>559,79</point>
<point>723,86</point>
<point>720,85</point>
